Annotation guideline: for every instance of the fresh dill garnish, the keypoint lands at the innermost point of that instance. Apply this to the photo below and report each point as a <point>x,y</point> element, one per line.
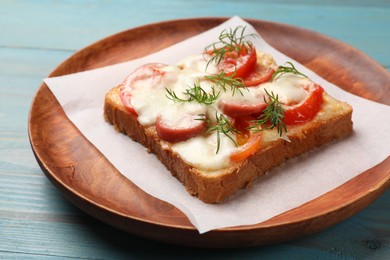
<point>224,81</point>
<point>196,93</point>
<point>221,126</point>
<point>229,40</point>
<point>272,116</point>
<point>286,69</point>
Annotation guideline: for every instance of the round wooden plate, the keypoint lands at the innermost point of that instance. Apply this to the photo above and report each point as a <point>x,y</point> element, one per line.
<point>86,178</point>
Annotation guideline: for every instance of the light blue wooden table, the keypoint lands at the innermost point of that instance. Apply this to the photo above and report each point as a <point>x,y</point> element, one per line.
<point>37,222</point>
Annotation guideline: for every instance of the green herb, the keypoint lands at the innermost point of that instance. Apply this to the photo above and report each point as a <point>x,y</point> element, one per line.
<point>225,82</point>
<point>229,40</point>
<point>196,93</point>
<point>222,126</point>
<point>271,117</point>
<point>286,69</point>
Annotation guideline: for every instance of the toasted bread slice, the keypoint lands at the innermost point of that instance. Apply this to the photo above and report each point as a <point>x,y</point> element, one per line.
<point>332,122</point>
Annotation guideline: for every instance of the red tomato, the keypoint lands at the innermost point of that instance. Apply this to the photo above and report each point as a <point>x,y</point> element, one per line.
<point>258,76</point>
<point>238,63</point>
<point>242,124</point>
<point>307,109</point>
<point>248,149</point>
<point>180,129</point>
<point>144,72</point>
<point>244,65</point>
<point>248,142</point>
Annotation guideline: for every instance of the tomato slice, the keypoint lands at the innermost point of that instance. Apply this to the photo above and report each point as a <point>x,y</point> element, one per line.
<point>249,143</point>
<point>142,73</point>
<point>307,109</point>
<point>238,63</point>
<point>258,76</point>
<point>179,129</point>
<point>248,149</point>
<point>242,124</point>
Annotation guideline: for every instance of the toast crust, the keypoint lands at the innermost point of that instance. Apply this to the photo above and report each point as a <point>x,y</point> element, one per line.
<point>331,123</point>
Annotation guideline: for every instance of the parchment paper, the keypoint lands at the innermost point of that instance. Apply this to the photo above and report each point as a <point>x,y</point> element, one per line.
<point>288,186</point>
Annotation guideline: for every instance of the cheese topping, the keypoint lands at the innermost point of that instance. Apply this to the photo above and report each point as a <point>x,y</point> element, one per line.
<point>149,99</point>
<point>149,95</point>
<point>198,63</point>
<point>289,88</point>
<point>200,151</point>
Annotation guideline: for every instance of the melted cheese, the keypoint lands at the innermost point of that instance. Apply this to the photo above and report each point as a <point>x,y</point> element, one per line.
<point>289,88</point>
<point>198,63</point>
<point>200,151</point>
<point>246,96</point>
<point>149,95</point>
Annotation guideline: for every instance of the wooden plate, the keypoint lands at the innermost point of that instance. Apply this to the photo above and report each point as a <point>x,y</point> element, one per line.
<point>86,178</point>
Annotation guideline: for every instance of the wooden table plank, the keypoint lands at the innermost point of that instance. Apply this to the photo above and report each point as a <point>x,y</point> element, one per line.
<point>85,237</point>
<point>72,25</point>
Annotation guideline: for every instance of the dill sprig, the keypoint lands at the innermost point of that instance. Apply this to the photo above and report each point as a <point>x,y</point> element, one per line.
<point>272,116</point>
<point>221,126</point>
<point>196,93</point>
<point>224,81</point>
<point>286,69</point>
<point>229,40</point>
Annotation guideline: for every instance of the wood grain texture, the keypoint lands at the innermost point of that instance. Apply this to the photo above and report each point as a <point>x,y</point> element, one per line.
<point>59,25</point>
<point>36,222</point>
<point>92,183</point>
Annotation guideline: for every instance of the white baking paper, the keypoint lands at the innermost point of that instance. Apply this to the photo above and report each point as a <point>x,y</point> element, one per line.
<point>288,186</point>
